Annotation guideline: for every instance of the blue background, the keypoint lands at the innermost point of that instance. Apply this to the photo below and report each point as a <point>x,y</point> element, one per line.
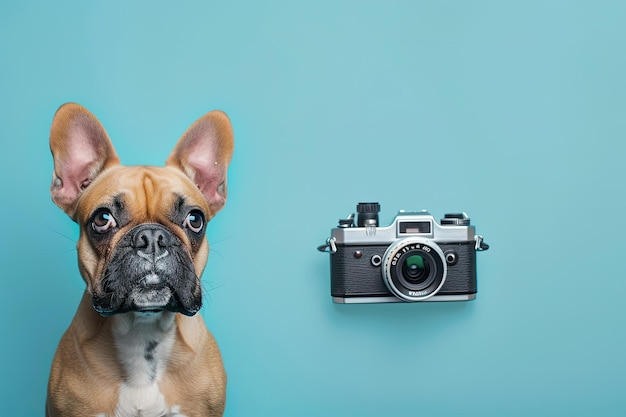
<point>511,111</point>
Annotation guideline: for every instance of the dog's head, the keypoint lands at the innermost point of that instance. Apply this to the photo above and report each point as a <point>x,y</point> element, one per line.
<point>142,244</point>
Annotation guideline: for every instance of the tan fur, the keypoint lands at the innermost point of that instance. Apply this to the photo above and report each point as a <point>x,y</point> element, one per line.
<point>86,372</point>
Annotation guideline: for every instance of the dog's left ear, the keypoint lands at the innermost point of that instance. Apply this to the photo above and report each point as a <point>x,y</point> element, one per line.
<point>203,154</point>
<point>81,150</point>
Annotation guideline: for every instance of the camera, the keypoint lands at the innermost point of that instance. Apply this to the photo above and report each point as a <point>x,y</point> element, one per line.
<point>413,259</point>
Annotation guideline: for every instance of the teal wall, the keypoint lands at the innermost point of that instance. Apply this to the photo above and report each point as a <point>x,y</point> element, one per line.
<point>513,111</point>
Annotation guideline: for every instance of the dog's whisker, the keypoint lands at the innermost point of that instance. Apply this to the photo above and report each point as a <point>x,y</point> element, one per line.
<point>218,241</point>
<point>62,235</point>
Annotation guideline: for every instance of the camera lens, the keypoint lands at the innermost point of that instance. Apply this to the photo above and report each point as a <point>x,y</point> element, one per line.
<point>414,269</point>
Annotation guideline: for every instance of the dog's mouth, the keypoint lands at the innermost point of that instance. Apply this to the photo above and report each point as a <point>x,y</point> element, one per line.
<point>147,299</point>
<point>150,295</point>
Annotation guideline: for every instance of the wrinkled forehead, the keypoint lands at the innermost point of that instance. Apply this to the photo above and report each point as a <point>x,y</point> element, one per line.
<point>144,192</point>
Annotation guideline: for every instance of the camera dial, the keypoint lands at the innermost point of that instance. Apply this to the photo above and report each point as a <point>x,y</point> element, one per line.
<point>367,214</point>
<point>347,222</point>
<point>368,217</point>
<point>414,269</point>
<point>455,219</point>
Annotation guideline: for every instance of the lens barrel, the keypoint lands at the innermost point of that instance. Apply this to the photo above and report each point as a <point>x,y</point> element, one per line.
<point>414,269</point>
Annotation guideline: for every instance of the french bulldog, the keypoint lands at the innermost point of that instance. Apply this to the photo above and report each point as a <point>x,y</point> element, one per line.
<point>137,345</point>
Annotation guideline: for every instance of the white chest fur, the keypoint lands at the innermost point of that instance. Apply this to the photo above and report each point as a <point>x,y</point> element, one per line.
<point>144,342</point>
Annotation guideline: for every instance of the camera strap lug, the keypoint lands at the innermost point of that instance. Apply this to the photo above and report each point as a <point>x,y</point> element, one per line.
<point>480,244</point>
<point>330,246</point>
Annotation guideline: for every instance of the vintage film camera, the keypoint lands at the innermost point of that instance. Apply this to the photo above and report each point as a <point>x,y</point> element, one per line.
<point>413,259</point>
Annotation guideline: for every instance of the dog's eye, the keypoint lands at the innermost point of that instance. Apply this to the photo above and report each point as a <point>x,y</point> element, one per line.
<point>103,221</point>
<point>194,221</point>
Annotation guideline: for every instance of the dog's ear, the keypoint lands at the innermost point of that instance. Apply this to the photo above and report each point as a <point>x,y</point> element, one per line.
<point>81,150</point>
<point>203,154</point>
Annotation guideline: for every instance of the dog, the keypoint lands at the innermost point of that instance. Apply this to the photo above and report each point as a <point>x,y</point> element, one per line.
<point>136,346</point>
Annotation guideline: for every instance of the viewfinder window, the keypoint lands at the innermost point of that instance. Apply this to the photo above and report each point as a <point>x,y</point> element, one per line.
<point>415,227</point>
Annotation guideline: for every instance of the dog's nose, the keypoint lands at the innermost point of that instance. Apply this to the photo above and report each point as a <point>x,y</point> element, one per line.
<point>152,243</point>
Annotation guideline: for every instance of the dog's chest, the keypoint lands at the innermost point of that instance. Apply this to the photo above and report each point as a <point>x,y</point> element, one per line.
<point>144,343</point>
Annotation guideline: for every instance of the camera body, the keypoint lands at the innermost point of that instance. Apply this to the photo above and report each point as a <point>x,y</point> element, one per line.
<point>413,259</point>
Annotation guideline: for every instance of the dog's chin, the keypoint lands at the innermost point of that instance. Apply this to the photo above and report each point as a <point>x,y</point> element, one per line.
<point>150,299</point>
<point>145,300</point>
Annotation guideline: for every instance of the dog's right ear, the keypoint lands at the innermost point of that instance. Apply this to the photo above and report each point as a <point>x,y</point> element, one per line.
<point>81,150</point>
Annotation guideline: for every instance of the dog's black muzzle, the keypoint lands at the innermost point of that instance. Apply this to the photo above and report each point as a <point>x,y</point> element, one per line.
<point>150,270</point>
